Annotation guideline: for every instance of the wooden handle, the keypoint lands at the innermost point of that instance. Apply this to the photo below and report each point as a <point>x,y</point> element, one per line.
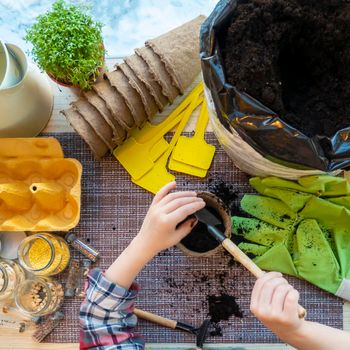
<point>250,265</point>
<point>244,259</point>
<point>162,321</point>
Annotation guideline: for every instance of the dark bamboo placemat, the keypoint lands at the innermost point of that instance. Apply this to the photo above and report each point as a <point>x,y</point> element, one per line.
<point>172,284</point>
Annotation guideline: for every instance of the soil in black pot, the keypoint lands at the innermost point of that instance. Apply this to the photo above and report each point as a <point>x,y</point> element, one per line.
<point>293,56</point>
<point>199,239</point>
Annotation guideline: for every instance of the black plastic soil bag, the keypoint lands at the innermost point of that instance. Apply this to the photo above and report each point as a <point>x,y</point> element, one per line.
<point>256,124</point>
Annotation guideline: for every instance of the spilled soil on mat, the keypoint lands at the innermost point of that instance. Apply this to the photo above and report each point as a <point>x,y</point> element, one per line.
<point>199,239</point>
<point>221,308</point>
<point>214,286</point>
<point>225,192</point>
<point>294,57</point>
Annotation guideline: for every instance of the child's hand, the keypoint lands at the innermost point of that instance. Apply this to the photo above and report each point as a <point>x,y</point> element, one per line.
<point>159,229</point>
<point>275,303</point>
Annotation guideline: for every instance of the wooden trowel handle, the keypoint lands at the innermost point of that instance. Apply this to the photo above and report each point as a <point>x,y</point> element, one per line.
<point>250,265</point>
<point>162,321</point>
<point>242,258</point>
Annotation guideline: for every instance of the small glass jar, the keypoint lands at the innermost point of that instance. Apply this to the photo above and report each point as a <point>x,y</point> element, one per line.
<point>11,274</point>
<point>39,296</point>
<point>44,254</point>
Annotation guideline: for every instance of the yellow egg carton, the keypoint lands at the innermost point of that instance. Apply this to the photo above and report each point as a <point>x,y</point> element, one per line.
<point>39,188</point>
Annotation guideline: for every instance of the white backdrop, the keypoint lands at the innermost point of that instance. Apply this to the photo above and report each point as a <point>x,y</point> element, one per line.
<point>127,23</point>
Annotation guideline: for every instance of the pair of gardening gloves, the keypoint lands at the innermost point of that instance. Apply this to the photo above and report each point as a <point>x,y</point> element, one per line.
<point>300,228</point>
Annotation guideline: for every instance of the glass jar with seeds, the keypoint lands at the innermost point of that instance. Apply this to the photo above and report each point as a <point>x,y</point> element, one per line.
<point>39,296</point>
<point>44,254</point>
<point>11,274</point>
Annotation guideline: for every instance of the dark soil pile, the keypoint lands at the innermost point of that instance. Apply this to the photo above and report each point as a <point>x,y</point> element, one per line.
<point>294,57</point>
<point>214,286</point>
<point>199,239</point>
<point>222,307</point>
<point>225,192</point>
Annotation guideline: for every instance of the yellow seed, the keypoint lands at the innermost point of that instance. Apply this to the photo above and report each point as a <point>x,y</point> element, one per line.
<point>40,254</point>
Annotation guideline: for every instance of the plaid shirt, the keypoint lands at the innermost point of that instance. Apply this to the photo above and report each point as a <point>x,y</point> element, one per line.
<point>106,316</point>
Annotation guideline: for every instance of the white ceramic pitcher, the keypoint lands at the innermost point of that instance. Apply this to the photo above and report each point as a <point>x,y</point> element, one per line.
<point>26,98</point>
<point>10,70</point>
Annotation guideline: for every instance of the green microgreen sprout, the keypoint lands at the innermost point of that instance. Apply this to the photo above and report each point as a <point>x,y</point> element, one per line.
<point>67,44</point>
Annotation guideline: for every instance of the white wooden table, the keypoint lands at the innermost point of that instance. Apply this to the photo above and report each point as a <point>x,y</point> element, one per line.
<point>12,340</point>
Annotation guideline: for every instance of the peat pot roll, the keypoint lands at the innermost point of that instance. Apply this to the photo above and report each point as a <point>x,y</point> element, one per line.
<point>217,207</point>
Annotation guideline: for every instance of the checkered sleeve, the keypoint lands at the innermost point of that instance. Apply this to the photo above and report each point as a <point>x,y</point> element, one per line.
<point>106,316</point>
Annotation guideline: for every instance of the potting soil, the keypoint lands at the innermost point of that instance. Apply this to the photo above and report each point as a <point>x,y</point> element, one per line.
<point>222,307</point>
<point>226,192</point>
<point>200,240</point>
<point>294,57</point>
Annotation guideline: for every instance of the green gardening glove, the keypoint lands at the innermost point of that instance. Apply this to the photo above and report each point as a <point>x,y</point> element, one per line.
<point>294,231</point>
<point>319,185</point>
<point>313,257</point>
<point>270,245</point>
<point>329,205</point>
<point>335,219</point>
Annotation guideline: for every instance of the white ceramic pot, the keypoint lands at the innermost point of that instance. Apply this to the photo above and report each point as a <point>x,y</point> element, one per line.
<point>26,98</point>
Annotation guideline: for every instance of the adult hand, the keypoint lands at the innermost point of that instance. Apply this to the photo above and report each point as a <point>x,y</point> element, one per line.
<point>160,229</point>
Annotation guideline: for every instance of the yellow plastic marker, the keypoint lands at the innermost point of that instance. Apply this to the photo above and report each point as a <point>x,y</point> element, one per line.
<point>158,149</point>
<point>149,130</point>
<point>138,158</point>
<point>193,155</point>
<point>146,133</point>
<point>187,168</point>
<point>159,176</point>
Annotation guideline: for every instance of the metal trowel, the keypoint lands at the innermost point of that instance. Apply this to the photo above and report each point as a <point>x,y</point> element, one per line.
<point>211,221</point>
